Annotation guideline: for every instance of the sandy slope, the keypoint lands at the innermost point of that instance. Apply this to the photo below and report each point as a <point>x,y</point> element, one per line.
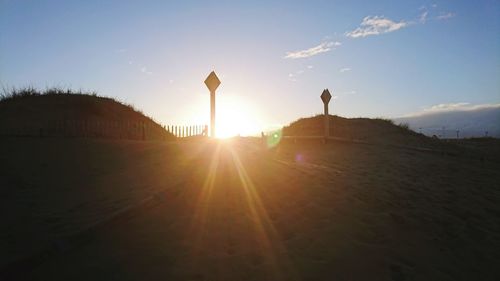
<point>301,212</point>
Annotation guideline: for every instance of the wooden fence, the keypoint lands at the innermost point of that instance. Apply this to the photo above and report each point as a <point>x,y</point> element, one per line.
<point>187,131</point>
<point>100,129</point>
<point>85,128</point>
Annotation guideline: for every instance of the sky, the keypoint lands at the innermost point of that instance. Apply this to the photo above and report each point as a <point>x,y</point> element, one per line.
<point>274,58</point>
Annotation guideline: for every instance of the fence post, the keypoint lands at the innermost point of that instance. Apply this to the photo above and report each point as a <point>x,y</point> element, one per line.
<point>143,131</point>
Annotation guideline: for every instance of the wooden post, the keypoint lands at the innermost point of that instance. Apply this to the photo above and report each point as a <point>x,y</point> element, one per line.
<point>212,83</point>
<point>143,132</point>
<point>327,121</point>
<point>212,114</point>
<point>325,97</point>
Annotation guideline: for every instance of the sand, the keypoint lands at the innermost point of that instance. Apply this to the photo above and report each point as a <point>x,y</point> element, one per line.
<point>231,211</point>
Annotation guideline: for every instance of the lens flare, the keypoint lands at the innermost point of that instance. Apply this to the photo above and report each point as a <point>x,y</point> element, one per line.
<point>273,138</point>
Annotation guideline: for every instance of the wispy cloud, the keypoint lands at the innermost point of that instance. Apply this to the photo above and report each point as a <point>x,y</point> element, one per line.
<point>341,95</point>
<point>345,69</point>
<point>145,70</point>
<point>375,25</point>
<point>352,92</point>
<point>446,16</point>
<point>321,48</point>
<point>423,16</point>
<point>292,76</point>
<point>426,13</point>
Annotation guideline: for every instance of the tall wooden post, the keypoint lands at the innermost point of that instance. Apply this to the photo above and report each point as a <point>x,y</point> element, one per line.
<point>212,83</point>
<point>143,132</point>
<point>325,97</point>
<point>212,114</point>
<point>327,121</point>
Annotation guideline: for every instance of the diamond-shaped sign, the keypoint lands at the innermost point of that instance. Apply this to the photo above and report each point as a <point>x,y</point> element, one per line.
<point>325,96</point>
<point>212,82</point>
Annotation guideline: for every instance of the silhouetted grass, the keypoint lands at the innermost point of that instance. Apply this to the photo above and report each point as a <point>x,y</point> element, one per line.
<point>30,111</point>
<point>387,120</point>
<point>13,93</point>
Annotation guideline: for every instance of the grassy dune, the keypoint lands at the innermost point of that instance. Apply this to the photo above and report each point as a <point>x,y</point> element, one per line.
<point>67,113</point>
<point>380,131</point>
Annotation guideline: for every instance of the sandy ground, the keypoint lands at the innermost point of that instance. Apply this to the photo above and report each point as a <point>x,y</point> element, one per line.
<point>234,212</point>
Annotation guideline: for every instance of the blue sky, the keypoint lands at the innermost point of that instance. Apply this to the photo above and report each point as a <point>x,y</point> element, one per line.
<point>274,58</point>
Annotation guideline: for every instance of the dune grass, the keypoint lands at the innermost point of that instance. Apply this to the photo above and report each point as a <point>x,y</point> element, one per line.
<point>55,111</point>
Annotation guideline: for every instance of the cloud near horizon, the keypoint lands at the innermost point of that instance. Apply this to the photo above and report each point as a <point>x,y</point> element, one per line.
<point>449,107</point>
<point>321,48</point>
<point>375,25</point>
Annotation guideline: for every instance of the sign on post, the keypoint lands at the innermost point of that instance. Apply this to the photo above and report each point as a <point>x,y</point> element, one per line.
<point>325,97</point>
<point>212,83</point>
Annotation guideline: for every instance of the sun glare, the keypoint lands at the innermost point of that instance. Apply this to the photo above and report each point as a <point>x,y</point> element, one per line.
<point>235,117</point>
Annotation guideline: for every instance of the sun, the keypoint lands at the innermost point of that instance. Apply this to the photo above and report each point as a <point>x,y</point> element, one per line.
<point>235,117</point>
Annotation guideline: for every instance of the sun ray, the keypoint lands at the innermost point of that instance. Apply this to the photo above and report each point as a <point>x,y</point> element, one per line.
<point>268,237</point>
<point>199,220</point>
